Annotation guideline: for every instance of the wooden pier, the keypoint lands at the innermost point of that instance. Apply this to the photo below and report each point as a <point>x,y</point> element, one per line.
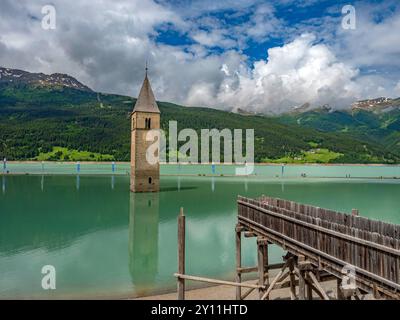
<point>362,254</point>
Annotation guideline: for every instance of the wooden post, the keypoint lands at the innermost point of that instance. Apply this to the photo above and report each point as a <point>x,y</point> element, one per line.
<point>308,287</point>
<point>302,286</point>
<point>181,254</point>
<point>302,280</point>
<point>339,292</point>
<point>238,260</point>
<point>261,265</point>
<point>375,292</point>
<point>266,263</point>
<point>292,279</point>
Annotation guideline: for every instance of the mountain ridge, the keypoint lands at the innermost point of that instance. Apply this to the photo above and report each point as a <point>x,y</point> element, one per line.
<point>67,81</point>
<point>40,79</point>
<point>34,119</point>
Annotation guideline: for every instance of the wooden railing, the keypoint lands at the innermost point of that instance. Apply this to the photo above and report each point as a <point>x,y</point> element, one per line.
<point>352,221</point>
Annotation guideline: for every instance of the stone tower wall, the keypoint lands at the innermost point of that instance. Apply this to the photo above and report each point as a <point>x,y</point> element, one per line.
<point>141,170</point>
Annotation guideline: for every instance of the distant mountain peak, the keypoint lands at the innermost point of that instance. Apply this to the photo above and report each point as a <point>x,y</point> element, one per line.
<point>304,107</point>
<point>8,75</point>
<point>308,107</point>
<point>377,105</point>
<point>244,112</point>
<point>381,104</point>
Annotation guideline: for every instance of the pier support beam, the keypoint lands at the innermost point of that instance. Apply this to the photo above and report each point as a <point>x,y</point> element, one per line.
<point>262,254</point>
<point>339,292</point>
<point>308,287</point>
<point>238,230</point>
<point>302,277</point>
<point>305,278</point>
<point>302,285</point>
<point>292,278</point>
<point>274,281</point>
<point>181,254</point>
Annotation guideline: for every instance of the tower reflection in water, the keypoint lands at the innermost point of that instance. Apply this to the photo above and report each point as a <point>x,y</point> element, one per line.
<point>3,184</point>
<point>143,240</point>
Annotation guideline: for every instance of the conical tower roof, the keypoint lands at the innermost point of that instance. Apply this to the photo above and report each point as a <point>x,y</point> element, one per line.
<point>146,101</point>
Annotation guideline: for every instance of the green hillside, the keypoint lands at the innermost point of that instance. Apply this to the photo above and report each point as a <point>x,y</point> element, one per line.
<point>35,119</point>
<point>380,127</point>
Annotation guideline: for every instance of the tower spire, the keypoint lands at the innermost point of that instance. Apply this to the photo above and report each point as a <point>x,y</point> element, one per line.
<point>146,101</point>
<point>146,69</point>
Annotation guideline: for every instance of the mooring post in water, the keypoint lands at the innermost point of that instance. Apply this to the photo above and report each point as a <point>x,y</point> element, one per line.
<point>238,260</point>
<point>181,254</point>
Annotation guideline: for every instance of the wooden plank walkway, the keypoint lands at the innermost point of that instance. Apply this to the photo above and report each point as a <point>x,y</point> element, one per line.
<point>330,241</point>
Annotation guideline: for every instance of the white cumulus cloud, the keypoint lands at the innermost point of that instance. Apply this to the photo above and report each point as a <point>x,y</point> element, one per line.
<point>105,45</point>
<point>298,72</point>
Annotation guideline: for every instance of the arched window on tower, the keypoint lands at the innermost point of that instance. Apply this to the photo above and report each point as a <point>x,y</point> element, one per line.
<point>147,123</point>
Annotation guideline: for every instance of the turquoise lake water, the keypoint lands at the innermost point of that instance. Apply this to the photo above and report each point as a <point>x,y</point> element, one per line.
<point>269,171</point>
<point>106,242</point>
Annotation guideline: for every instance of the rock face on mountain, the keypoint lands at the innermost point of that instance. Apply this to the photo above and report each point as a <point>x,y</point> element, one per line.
<point>377,105</point>
<point>15,76</point>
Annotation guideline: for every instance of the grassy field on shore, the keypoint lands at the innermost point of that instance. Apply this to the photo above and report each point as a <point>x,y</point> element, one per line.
<point>65,154</point>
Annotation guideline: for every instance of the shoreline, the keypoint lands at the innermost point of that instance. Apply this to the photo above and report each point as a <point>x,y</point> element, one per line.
<point>199,175</point>
<point>208,163</point>
<point>273,172</point>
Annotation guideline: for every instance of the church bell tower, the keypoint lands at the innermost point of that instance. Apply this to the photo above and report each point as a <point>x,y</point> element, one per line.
<point>145,176</point>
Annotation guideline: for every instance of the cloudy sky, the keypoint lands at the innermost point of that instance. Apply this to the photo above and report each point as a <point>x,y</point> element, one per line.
<point>263,56</point>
